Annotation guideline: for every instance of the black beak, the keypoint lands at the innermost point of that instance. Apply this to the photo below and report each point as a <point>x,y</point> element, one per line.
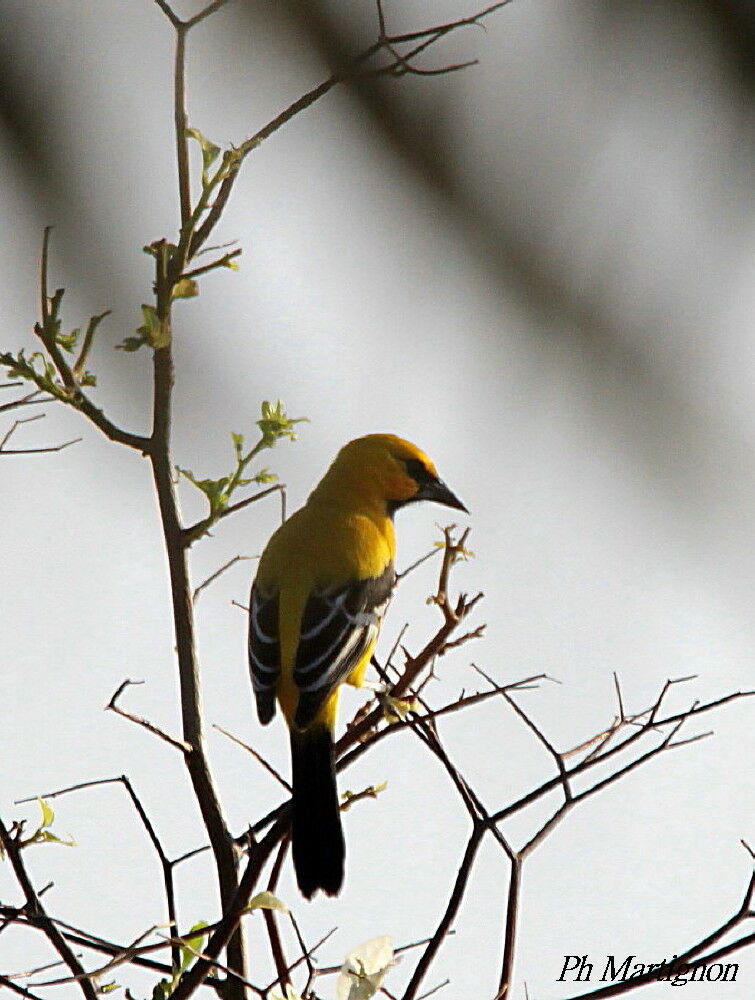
<point>437,491</point>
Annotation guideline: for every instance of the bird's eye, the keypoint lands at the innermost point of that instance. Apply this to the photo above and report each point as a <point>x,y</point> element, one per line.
<point>418,471</point>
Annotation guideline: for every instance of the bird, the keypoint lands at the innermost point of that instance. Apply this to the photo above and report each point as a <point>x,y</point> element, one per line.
<point>322,585</point>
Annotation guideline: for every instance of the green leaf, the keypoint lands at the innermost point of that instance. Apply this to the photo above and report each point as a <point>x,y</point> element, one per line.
<point>275,424</point>
<point>131,344</point>
<point>193,941</point>
<point>210,151</point>
<point>43,834</point>
<point>47,837</point>
<point>370,792</point>
<point>291,994</point>
<point>264,476</point>
<point>162,990</point>
<point>68,340</point>
<point>238,445</point>
<point>48,816</point>
<point>266,901</point>
<point>186,288</point>
<point>364,969</point>
<point>214,489</point>
<point>153,330</point>
<point>35,369</point>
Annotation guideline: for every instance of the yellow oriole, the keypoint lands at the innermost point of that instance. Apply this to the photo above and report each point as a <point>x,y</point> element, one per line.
<point>322,585</point>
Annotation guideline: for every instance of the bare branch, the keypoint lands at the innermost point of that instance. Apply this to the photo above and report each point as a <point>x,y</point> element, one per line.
<point>306,957</point>
<point>38,915</point>
<point>94,322</point>
<point>29,451</point>
<point>207,12</point>
<point>258,855</point>
<point>605,755</point>
<point>452,908</point>
<point>559,761</point>
<point>181,124</point>
<point>30,399</point>
<point>168,11</point>
<point>223,261</point>
<point>166,865</point>
<point>439,30</point>
<point>435,989</point>
<point>416,564</point>
<point>214,576</point>
<point>128,953</point>
<point>257,756</point>
<point>276,946</point>
<point>511,927</point>
<point>354,69</point>
<point>111,706</point>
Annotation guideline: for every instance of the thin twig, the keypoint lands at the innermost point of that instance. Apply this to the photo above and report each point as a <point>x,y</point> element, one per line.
<point>80,362</point>
<point>559,761</point>
<point>214,576</point>
<point>258,757</point>
<point>435,989</point>
<point>28,973</point>
<point>416,564</point>
<point>206,268</point>
<point>111,706</point>
<point>181,124</point>
<point>29,451</point>
<point>584,765</point>
<point>129,952</point>
<point>209,10</point>
<point>30,399</point>
<point>308,955</point>
<point>511,927</point>
<point>200,528</point>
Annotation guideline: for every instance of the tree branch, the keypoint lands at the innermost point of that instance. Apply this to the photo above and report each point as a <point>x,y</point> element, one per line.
<point>452,908</point>
<point>38,915</point>
<point>144,723</point>
<point>396,66</point>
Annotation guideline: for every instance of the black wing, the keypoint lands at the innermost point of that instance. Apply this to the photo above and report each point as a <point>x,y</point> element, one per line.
<point>337,626</point>
<point>264,651</point>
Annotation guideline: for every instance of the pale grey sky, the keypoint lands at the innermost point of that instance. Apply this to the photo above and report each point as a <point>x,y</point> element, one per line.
<point>610,478</point>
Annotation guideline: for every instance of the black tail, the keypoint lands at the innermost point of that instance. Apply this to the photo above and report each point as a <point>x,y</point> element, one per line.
<point>316,834</point>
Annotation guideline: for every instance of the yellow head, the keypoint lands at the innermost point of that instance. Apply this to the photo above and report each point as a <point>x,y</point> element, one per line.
<point>384,471</point>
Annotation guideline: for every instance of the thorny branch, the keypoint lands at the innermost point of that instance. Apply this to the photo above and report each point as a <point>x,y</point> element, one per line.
<point>36,914</point>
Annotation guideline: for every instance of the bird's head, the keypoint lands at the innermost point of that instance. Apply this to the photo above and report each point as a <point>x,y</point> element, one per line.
<point>386,470</point>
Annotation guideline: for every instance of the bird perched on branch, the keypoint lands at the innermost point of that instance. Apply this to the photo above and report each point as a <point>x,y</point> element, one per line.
<point>322,585</point>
